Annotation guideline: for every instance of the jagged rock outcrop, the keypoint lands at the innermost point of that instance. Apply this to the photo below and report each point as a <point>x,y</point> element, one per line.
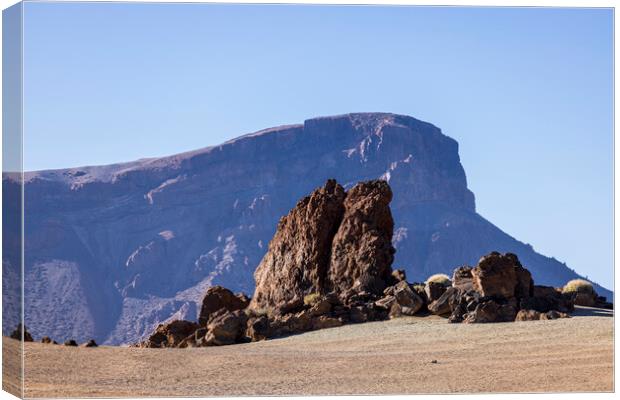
<point>331,241</point>
<point>298,258</point>
<point>362,251</point>
<point>112,251</point>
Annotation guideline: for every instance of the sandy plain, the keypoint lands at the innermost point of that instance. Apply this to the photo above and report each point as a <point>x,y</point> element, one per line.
<point>411,355</point>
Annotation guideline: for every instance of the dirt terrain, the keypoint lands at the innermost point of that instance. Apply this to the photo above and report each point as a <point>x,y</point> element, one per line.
<point>401,356</point>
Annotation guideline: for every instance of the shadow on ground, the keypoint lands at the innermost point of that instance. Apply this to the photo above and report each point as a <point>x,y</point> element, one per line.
<point>592,312</point>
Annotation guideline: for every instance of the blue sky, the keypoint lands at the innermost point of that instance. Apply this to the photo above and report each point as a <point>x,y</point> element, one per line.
<point>527,92</point>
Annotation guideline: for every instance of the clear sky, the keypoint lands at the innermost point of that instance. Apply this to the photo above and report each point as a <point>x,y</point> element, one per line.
<point>527,92</point>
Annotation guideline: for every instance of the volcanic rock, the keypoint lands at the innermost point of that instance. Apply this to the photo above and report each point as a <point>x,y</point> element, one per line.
<point>434,290</point>
<point>362,250</point>
<point>297,261</point>
<point>218,298</point>
<point>442,306</point>
<point>332,243</point>
<point>17,333</point>
<point>226,327</point>
<point>170,334</point>
<point>462,278</point>
<point>495,275</point>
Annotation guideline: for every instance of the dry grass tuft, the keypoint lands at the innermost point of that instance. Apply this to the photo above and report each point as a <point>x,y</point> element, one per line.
<point>440,278</point>
<point>578,286</point>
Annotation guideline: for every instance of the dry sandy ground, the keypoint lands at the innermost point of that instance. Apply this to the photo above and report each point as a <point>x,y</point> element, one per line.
<point>391,357</point>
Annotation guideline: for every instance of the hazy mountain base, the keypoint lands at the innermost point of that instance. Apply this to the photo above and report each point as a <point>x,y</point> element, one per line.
<point>111,251</point>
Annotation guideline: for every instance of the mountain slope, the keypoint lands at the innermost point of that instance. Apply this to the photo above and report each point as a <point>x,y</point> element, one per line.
<point>113,250</point>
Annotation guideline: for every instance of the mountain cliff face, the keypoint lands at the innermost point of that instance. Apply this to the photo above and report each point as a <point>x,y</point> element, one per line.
<point>111,251</point>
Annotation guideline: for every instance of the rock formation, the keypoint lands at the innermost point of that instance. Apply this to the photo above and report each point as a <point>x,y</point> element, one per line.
<point>112,251</point>
<point>329,264</point>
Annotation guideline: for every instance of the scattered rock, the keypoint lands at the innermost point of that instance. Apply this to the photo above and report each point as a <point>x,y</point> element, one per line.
<point>17,333</point>
<point>71,343</point>
<point>218,298</point>
<point>46,340</point>
<point>170,334</point>
<point>434,290</point>
<point>90,343</point>
<point>495,275</point>
<point>225,328</point>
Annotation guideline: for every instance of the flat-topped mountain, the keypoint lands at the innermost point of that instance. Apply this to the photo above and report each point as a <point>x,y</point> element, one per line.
<point>111,251</point>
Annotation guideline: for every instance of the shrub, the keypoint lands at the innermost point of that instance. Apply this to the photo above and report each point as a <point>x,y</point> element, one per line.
<point>440,278</point>
<point>311,299</point>
<point>578,286</point>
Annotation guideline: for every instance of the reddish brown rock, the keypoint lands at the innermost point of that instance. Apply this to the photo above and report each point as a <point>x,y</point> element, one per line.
<point>226,327</point>
<point>332,243</point>
<point>362,248</point>
<point>218,298</point>
<point>407,299</point>
<point>170,334</point>
<point>495,275</point>
<point>297,261</point>
<point>434,290</point>
<point>462,278</point>
<point>442,306</point>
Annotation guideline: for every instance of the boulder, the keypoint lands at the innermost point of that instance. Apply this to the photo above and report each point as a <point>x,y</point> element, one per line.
<point>258,328</point>
<point>90,343</point>
<point>218,298</point>
<point>442,305</point>
<point>17,333</point>
<point>434,290</point>
<point>495,275</point>
<point>462,278</point>
<point>584,299</point>
<point>547,298</point>
<point>46,340</point>
<point>170,334</point>
<point>226,327</point>
<point>71,343</point>
<point>407,299</point>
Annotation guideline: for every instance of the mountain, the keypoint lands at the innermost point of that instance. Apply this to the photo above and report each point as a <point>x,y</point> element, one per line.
<point>110,251</point>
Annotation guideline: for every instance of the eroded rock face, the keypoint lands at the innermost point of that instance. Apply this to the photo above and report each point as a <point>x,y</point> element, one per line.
<point>297,261</point>
<point>331,242</point>
<point>362,251</point>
